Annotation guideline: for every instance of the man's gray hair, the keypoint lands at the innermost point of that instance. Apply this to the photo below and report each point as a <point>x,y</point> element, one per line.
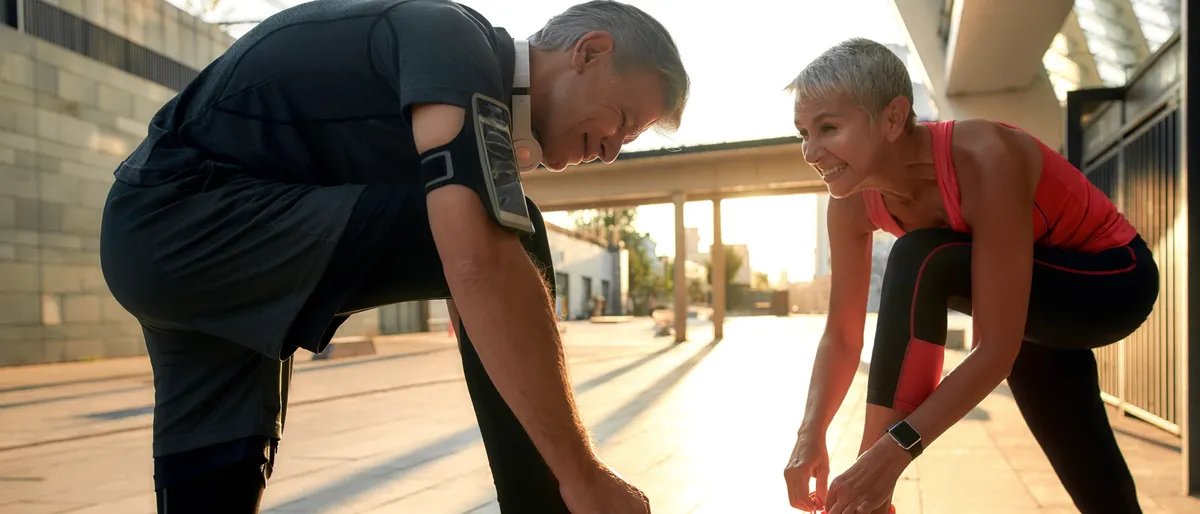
<point>868,72</point>
<point>640,44</point>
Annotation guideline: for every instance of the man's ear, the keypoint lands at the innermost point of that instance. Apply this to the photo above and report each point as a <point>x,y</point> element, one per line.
<point>593,48</point>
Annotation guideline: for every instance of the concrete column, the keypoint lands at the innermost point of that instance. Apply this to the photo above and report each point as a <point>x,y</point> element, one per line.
<point>1033,107</point>
<point>681,299</point>
<point>718,274</point>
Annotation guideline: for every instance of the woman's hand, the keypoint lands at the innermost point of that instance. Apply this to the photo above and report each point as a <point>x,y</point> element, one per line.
<point>810,459</point>
<point>869,483</point>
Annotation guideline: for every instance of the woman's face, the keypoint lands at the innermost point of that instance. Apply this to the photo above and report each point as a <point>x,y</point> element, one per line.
<point>839,141</point>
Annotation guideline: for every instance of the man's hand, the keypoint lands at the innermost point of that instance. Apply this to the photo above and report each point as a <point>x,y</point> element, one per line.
<point>605,493</point>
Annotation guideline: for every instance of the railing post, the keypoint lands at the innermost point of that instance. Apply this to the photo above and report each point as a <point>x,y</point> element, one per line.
<point>1189,371</point>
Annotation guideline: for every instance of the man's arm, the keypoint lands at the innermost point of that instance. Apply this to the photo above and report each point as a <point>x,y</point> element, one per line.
<point>506,307</point>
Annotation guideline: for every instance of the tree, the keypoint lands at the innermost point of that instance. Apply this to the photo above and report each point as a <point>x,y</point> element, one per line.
<point>201,6</point>
<point>644,282</point>
<point>759,280</point>
<point>696,291</point>
<point>667,280</point>
<point>733,263</point>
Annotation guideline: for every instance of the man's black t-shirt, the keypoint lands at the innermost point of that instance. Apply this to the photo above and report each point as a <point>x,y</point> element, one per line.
<point>321,93</point>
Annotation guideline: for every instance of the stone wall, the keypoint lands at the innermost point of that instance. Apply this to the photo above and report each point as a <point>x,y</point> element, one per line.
<point>66,120</point>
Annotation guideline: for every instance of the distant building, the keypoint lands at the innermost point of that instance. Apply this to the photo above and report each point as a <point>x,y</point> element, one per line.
<point>650,250</point>
<point>586,268</point>
<point>691,245</point>
<point>821,267</point>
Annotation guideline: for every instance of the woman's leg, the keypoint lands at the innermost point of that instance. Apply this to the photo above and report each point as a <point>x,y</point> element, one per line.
<point>1082,301</point>
<point>1072,307</point>
<point>1058,393</point>
<point>924,269</point>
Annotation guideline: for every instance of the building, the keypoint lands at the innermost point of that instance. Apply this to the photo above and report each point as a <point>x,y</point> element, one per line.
<point>821,263</point>
<point>588,269</point>
<point>691,241</point>
<point>79,82</point>
<point>650,250</point>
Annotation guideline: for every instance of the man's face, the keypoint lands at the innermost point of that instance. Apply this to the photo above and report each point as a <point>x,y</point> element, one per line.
<point>593,112</point>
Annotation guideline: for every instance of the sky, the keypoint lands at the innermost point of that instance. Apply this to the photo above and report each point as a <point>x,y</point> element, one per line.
<point>739,60</point>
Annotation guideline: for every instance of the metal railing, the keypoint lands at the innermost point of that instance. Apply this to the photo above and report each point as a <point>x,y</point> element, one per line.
<point>1130,148</point>
<point>8,13</point>
<point>49,23</point>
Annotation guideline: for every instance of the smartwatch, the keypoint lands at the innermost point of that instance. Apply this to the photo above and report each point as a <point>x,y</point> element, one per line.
<point>907,437</point>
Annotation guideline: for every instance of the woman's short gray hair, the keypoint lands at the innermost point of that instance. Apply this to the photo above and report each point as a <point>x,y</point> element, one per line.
<point>868,72</point>
<point>640,43</point>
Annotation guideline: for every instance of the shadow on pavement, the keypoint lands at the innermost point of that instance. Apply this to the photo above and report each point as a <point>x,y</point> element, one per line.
<point>148,409</point>
<point>365,480</point>
<point>613,423</point>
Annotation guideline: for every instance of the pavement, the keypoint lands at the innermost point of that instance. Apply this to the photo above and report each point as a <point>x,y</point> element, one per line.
<point>702,427</point>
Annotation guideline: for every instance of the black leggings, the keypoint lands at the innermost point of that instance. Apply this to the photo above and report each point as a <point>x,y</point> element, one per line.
<point>1078,302</point>
<point>232,489</point>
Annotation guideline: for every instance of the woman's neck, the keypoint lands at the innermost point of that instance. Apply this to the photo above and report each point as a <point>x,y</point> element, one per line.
<point>906,168</point>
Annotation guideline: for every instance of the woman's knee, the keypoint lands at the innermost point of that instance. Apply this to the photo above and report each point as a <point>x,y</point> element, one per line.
<point>926,255</point>
<point>914,248</point>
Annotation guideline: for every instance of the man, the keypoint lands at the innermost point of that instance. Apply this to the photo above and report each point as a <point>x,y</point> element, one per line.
<point>347,155</point>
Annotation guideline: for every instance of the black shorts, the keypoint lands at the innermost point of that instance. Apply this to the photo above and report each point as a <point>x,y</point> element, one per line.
<point>222,362</point>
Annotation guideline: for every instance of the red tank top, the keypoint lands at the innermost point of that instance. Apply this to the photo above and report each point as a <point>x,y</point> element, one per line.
<point>1069,212</point>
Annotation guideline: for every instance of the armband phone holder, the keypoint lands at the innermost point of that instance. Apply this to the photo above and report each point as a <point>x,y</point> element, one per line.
<point>526,149</point>
<point>491,151</point>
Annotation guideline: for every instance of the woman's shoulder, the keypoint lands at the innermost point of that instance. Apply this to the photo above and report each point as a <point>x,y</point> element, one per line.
<point>987,155</point>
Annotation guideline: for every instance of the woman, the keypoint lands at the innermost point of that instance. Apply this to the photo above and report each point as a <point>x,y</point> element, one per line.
<point>992,223</point>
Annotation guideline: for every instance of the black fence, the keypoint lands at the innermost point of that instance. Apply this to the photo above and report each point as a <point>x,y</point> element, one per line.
<point>1128,142</point>
<point>8,13</point>
<point>54,25</point>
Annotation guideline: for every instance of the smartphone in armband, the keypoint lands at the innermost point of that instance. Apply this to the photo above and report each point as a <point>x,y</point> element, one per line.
<point>493,132</point>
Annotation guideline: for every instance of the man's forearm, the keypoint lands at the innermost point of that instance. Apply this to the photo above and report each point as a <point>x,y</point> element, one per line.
<point>833,371</point>
<point>510,318</point>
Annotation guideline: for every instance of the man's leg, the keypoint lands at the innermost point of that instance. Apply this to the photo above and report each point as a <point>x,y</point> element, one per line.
<point>213,427</point>
<point>403,265</point>
<point>232,489</point>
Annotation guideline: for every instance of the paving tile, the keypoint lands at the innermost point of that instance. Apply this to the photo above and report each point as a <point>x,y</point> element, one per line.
<point>31,507</point>
<point>701,428</point>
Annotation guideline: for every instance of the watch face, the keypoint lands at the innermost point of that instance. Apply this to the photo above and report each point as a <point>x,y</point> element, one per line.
<point>905,435</point>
